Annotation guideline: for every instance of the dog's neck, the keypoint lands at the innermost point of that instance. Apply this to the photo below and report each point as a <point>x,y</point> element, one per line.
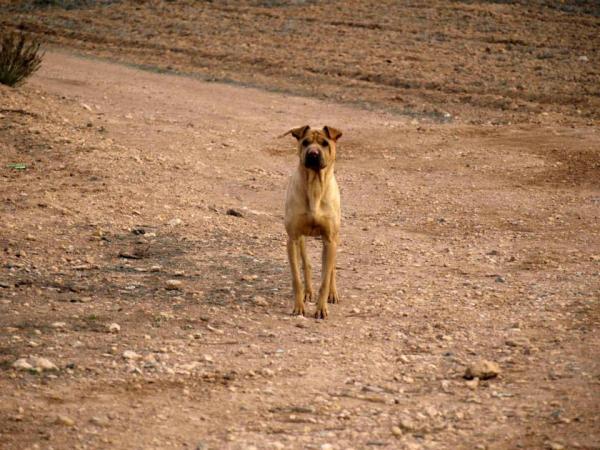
<point>316,186</point>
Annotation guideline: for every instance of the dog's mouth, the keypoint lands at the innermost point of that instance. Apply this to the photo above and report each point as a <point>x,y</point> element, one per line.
<point>314,161</point>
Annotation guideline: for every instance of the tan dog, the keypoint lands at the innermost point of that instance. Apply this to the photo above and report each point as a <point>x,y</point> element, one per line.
<point>312,208</point>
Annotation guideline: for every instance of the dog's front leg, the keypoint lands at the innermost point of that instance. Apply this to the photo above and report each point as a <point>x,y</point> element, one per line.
<point>292,248</point>
<point>329,251</point>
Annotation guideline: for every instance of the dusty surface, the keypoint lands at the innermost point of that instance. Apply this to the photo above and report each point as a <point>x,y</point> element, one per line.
<point>474,62</point>
<point>459,243</point>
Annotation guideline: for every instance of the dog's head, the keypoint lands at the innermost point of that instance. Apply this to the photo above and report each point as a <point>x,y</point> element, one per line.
<point>316,148</point>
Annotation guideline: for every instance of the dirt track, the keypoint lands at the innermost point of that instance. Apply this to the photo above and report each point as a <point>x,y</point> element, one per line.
<point>459,243</point>
<point>476,62</point>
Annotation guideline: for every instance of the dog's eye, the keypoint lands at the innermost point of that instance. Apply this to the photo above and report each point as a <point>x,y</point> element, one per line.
<point>325,144</point>
<point>305,143</point>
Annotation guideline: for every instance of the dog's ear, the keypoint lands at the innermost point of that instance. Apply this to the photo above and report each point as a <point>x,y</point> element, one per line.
<point>298,133</point>
<point>332,133</point>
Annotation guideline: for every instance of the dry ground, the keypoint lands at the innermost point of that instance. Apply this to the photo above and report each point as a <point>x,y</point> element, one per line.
<point>461,241</point>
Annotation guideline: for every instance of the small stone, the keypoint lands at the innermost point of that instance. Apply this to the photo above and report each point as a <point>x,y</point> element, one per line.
<point>42,364</point>
<point>207,358</point>
<point>65,420</point>
<point>407,424</point>
<point>130,354</point>
<point>114,328</point>
<point>172,285</point>
<point>260,301</point>
<point>554,446</point>
<point>98,421</point>
<point>482,369</point>
<point>266,372</point>
<point>234,212</point>
<point>583,58</point>
<point>174,222</point>
<point>396,431</point>
<point>472,384</point>
<point>326,447</point>
<point>58,325</point>
<point>22,364</point>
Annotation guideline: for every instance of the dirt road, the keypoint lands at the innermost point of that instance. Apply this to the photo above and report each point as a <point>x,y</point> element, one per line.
<point>168,318</point>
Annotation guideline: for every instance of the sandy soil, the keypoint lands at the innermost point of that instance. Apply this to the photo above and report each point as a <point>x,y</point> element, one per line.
<point>474,62</point>
<point>168,320</point>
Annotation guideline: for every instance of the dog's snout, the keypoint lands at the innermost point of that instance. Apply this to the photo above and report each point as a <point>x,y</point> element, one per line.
<point>313,151</point>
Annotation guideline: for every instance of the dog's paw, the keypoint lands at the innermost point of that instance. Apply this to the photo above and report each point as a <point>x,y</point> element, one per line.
<point>322,312</point>
<point>333,297</point>
<point>308,297</point>
<point>298,310</point>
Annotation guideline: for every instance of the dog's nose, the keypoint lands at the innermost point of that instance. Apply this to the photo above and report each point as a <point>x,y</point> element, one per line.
<point>313,152</point>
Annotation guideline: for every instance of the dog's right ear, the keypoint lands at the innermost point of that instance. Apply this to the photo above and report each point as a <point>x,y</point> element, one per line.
<point>298,133</point>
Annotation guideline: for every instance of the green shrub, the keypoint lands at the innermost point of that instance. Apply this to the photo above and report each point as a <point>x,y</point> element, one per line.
<point>20,56</point>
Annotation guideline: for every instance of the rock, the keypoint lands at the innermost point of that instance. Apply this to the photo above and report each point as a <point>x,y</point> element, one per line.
<point>583,58</point>
<point>86,107</point>
<point>260,301</point>
<point>98,421</point>
<point>173,285</point>
<point>396,431</point>
<point>266,372</point>
<point>130,354</point>
<point>59,325</point>
<point>472,384</point>
<point>42,364</point>
<point>207,358</point>
<point>234,212</point>
<point>114,328</point>
<point>174,222</point>
<point>483,370</point>
<point>65,420</point>
<point>22,364</point>
<point>406,423</point>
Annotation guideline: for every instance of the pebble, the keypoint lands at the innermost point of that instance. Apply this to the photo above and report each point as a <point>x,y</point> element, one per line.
<point>42,363</point>
<point>259,301</point>
<point>98,421</point>
<point>483,370</point>
<point>59,325</point>
<point>472,384</point>
<point>114,328</point>
<point>22,364</point>
<point>174,222</point>
<point>266,372</point>
<point>172,285</point>
<point>65,420</point>
<point>396,431</point>
<point>130,354</point>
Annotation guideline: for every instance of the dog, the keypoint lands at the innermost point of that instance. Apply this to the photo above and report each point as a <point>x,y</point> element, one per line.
<point>312,208</point>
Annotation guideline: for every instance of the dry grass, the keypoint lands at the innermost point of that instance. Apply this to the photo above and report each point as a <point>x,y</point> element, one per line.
<point>20,57</point>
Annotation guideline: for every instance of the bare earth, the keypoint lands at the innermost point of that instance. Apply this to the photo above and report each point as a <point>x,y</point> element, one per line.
<point>461,241</point>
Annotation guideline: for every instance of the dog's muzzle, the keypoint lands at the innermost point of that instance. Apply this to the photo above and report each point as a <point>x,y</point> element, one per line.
<point>314,160</point>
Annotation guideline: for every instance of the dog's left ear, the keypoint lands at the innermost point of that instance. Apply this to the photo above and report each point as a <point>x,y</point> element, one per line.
<point>332,133</point>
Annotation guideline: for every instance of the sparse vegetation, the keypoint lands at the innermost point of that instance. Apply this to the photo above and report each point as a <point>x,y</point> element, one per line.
<point>20,57</point>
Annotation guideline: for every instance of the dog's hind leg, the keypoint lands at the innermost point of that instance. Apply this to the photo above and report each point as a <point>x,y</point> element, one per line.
<point>293,247</point>
<point>308,290</point>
